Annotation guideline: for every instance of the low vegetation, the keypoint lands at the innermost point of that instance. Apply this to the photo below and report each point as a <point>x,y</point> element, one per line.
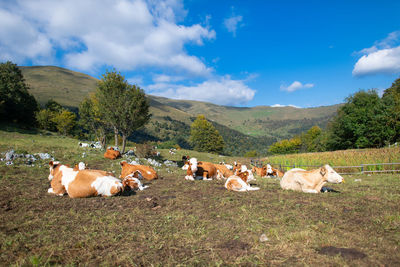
<point>178,222</point>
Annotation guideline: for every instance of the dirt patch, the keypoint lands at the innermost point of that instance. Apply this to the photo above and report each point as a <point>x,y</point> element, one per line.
<point>347,253</point>
<point>233,249</point>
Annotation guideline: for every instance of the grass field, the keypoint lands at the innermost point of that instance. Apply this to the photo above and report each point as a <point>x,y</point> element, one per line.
<point>181,223</point>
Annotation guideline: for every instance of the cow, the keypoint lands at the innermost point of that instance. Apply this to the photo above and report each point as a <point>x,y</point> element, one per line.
<point>146,172</point>
<point>309,181</point>
<point>262,172</point>
<point>82,183</point>
<point>274,172</point>
<point>111,153</point>
<point>223,171</point>
<point>200,170</point>
<point>243,168</point>
<point>239,183</point>
<point>80,166</point>
<point>132,181</point>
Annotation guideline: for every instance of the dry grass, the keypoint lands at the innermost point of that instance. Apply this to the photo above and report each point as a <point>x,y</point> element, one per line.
<point>191,223</point>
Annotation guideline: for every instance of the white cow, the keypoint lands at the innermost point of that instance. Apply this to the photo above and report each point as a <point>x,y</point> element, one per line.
<point>310,181</point>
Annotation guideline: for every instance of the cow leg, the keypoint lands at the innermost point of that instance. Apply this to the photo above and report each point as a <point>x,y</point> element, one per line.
<point>205,174</point>
<point>310,191</point>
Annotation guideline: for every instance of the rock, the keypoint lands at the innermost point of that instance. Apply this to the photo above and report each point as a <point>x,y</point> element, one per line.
<point>357,180</point>
<point>9,163</point>
<point>10,155</point>
<point>170,163</point>
<point>44,155</point>
<point>263,238</point>
<point>130,153</point>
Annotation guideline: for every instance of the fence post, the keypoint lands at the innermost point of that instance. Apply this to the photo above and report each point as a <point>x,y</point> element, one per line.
<point>362,168</point>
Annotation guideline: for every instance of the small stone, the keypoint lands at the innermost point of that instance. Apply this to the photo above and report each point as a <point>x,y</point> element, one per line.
<point>357,180</point>
<point>263,238</point>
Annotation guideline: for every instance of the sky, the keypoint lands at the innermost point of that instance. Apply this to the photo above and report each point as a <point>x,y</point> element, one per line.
<point>236,53</point>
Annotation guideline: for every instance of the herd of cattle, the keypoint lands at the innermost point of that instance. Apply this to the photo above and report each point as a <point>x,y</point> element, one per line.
<point>80,182</point>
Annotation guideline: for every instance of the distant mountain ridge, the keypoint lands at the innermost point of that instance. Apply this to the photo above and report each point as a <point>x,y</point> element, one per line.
<point>243,128</point>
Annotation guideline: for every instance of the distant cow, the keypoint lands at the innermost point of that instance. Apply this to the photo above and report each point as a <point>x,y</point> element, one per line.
<point>82,183</point>
<point>274,172</point>
<point>310,181</point>
<point>111,153</point>
<point>146,172</point>
<point>200,170</point>
<point>262,172</point>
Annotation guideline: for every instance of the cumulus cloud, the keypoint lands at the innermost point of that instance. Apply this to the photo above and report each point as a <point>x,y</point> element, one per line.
<point>91,34</point>
<point>296,85</point>
<point>219,90</point>
<point>382,57</point>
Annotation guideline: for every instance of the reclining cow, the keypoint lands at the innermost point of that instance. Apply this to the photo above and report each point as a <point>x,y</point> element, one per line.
<point>309,181</point>
<point>272,172</point>
<point>197,170</point>
<point>146,172</point>
<point>262,172</point>
<point>111,153</point>
<point>223,171</point>
<point>84,183</point>
<point>239,182</point>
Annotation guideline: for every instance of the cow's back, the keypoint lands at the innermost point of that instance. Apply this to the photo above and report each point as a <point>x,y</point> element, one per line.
<point>147,172</point>
<point>89,183</point>
<point>207,167</point>
<point>290,179</point>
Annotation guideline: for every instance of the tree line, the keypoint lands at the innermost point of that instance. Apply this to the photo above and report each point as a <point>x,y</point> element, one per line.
<point>366,120</point>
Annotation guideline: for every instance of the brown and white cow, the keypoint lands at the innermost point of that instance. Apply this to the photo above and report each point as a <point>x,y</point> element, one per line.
<point>262,172</point>
<point>197,170</point>
<point>111,153</point>
<point>82,183</point>
<point>239,183</point>
<point>223,171</point>
<point>309,181</point>
<point>146,172</point>
<point>274,172</point>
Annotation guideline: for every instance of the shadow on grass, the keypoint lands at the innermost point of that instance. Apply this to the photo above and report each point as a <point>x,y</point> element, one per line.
<point>23,129</point>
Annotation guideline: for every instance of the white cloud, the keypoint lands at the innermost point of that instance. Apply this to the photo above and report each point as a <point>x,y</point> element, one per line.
<point>296,85</point>
<point>220,90</point>
<point>381,61</point>
<point>231,24</point>
<point>382,57</point>
<point>90,34</point>
<point>281,106</point>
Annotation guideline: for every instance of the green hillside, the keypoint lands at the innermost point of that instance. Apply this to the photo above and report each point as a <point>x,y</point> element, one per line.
<point>243,128</point>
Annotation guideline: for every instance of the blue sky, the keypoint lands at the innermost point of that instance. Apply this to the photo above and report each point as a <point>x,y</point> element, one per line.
<point>242,53</point>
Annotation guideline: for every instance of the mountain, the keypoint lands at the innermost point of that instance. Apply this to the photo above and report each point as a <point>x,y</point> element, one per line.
<point>243,128</point>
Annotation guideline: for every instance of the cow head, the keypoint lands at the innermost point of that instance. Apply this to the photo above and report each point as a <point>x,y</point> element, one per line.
<point>331,175</point>
<point>269,170</point>
<point>54,168</point>
<point>243,175</point>
<point>132,180</point>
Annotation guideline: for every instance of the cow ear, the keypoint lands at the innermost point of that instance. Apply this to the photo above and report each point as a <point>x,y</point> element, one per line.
<point>122,163</point>
<point>51,163</point>
<point>322,171</point>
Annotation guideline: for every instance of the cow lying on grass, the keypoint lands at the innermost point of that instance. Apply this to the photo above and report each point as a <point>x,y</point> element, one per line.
<point>274,172</point>
<point>111,153</point>
<point>239,182</point>
<point>87,183</point>
<point>146,172</point>
<point>223,171</point>
<point>310,181</point>
<point>197,170</point>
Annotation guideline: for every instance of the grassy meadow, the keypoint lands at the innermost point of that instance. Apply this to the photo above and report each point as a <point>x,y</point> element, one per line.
<point>183,223</point>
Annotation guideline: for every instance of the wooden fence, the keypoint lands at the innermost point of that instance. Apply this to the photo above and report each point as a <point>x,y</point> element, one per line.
<point>361,169</point>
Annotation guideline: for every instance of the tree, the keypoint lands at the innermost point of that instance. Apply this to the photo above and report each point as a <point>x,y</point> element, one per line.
<point>359,123</point>
<point>65,121</point>
<point>16,103</point>
<point>135,113</point>
<point>44,119</point>
<point>310,140</point>
<point>123,106</point>
<point>391,101</point>
<point>204,137</point>
<point>91,120</point>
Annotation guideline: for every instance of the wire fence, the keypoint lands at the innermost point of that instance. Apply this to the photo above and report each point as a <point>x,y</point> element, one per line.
<point>374,168</point>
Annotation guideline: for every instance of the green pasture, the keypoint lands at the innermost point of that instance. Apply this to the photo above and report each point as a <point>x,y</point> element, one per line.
<point>183,223</point>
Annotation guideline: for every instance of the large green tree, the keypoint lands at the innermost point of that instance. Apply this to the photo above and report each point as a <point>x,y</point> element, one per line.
<point>123,106</point>
<point>16,103</point>
<point>204,137</point>
<point>359,123</point>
